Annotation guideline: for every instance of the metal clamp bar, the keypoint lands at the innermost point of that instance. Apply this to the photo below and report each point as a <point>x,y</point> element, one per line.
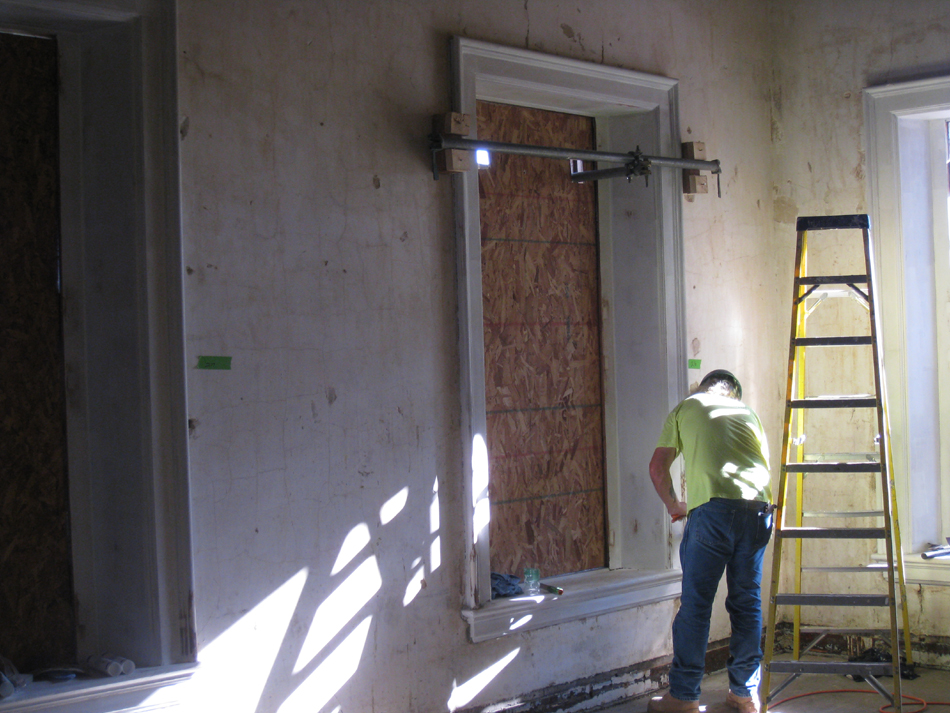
<point>641,163</point>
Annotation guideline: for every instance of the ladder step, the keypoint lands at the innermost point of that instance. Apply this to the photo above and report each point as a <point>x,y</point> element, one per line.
<point>835,402</point>
<point>836,667</point>
<point>834,533</point>
<point>846,630</point>
<point>849,467</point>
<point>872,456</point>
<point>857,341</point>
<point>833,600</point>
<point>831,280</point>
<point>832,222</point>
<point>876,568</point>
<point>853,513</point>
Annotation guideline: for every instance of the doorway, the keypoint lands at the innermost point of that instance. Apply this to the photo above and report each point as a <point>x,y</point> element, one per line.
<point>37,625</point>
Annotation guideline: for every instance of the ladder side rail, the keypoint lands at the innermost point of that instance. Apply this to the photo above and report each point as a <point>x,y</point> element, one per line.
<point>898,546</point>
<point>799,442</point>
<point>885,478</point>
<point>779,513</point>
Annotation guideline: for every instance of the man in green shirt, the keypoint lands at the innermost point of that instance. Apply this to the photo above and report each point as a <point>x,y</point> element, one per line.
<point>726,461</point>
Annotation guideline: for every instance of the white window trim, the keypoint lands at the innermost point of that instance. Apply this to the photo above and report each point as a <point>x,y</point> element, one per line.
<point>642,544</point>
<point>144,690</point>
<point>904,143</point>
<point>586,594</point>
<point>139,39</point>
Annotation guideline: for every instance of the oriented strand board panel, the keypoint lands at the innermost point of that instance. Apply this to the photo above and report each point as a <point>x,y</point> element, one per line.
<point>37,624</point>
<point>540,297</point>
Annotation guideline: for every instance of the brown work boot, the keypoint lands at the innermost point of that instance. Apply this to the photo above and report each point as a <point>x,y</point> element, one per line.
<point>744,704</point>
<point>668,704</point>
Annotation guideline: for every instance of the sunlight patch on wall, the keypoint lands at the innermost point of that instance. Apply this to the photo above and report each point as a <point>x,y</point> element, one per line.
<point>330,676</point>
<point>393,506</point>
<point>463,694</point>
<point>482,514</point>
<point>435,554</point>
<point>435,549</point>
<point>338,609</point>
<point>416,583</point>
<point>353,544</point>
<point>434,508</point>
<point>236,665</point>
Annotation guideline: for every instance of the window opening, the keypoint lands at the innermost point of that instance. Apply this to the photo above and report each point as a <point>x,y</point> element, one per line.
<point>540,297</point>
<point>907,131</point>
<point>640,309</point>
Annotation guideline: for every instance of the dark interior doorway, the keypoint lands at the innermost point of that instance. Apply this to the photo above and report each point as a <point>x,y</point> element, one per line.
<point>37,618</point>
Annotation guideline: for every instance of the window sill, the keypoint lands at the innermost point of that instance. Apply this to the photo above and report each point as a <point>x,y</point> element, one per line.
<point>585,594</point>
<point>101,695</point>
<point>920,571</point>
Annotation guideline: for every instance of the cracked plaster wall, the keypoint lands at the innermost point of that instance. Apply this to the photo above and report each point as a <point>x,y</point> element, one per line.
<point>829,54</point>
<point>320,256</point>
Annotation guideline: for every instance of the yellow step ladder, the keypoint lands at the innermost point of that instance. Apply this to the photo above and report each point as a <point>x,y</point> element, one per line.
<point>871,471</point>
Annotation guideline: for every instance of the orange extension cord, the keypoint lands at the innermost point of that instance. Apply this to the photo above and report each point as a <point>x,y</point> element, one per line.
<point>883,709</point>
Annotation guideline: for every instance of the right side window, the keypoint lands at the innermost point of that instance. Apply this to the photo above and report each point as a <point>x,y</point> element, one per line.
<point>907,128</point>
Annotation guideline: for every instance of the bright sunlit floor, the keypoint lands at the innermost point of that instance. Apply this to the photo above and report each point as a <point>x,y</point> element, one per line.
<point>932,686</point>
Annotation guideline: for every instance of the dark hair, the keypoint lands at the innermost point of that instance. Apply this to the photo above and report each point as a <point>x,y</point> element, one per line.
<point>723,381</point>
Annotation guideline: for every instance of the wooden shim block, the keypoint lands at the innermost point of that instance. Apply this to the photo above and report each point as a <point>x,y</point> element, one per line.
<point>695,150</point>
<point>693,181</point>
<point>455,161</point>
<point>452,124</point>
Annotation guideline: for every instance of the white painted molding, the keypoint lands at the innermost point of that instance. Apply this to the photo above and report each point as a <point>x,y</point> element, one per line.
<point>119,176</point>
<point>887,109</point>
<point>642,266</point>
<point>586,594</point>
<point>145,690</point>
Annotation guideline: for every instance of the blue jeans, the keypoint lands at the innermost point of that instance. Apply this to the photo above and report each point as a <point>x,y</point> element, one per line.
<point>720,535</point>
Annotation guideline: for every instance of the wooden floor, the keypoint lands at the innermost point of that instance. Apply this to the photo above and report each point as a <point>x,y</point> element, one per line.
<point>932,686</point>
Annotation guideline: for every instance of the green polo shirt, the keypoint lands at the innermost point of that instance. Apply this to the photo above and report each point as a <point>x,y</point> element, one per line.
<point>723,446</point>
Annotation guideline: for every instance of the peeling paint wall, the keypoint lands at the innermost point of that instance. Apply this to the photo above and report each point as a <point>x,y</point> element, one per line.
<point>829,54</point>
<point>320,256</point>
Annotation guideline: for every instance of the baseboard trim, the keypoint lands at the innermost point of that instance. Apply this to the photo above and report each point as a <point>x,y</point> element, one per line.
<point>595,693</point>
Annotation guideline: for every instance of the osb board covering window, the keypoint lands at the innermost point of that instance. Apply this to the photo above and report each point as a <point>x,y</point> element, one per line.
<point>540,296</point>
<point>37,625</point>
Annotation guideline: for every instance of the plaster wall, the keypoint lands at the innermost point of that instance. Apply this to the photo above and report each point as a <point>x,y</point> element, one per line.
<point>320,256</point>
<point>829,53</point>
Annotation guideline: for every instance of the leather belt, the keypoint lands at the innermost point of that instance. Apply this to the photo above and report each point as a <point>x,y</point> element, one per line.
<point>757,505</point>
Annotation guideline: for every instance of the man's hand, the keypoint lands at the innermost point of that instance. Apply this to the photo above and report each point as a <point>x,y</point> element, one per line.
<point>663,483</point>
<point>678,511</point>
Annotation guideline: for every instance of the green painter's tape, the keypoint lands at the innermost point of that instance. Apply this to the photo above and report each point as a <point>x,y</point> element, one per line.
<point>694,363</point>
<point>214,362</point>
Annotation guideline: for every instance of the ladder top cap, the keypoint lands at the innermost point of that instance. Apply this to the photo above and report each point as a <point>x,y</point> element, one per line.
<point>833,222</point>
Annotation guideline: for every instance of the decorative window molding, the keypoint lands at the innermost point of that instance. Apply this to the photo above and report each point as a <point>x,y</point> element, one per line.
<point>123,329</point>
<point>145,690</point>
<point>906,138</point>
<point>643,328</point>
